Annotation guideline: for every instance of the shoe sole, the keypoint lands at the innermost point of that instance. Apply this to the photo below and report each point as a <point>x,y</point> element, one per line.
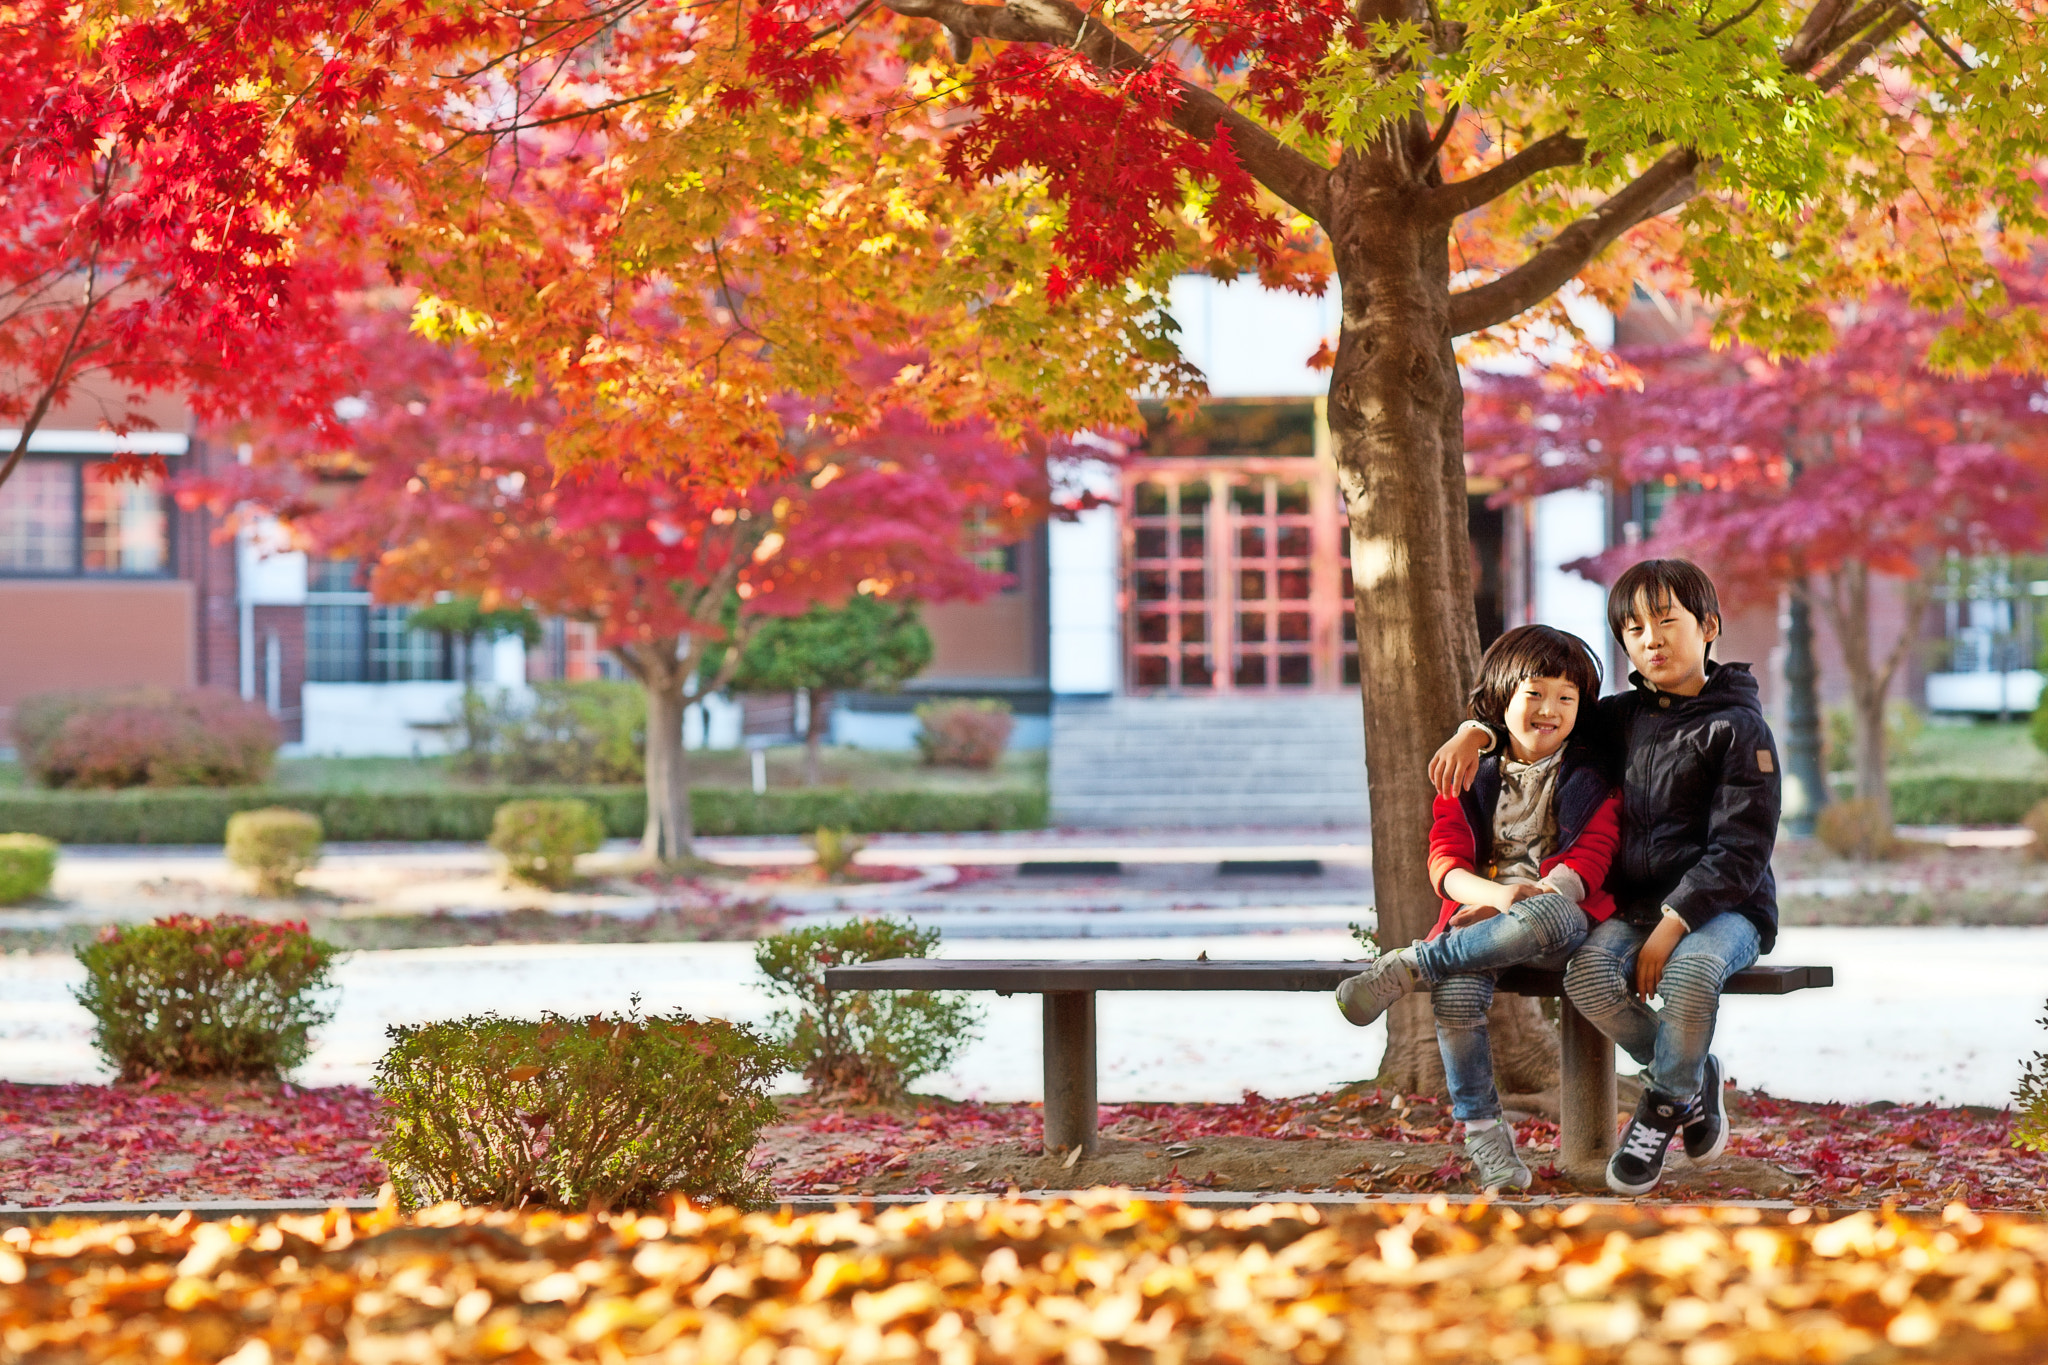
<point>1368,1021</point>
<point>1623,1187</point>
<point>1524,1183</point>
<point>1720,1113</point>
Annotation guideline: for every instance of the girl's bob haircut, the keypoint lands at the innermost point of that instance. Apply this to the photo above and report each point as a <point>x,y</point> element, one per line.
<point>1531,652</point>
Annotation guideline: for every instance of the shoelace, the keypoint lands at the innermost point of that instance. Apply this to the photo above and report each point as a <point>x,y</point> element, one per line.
<point>1643,1141</point>
<point>1494,1155</point>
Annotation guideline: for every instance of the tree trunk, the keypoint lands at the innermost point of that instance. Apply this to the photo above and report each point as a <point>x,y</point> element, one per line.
<point>1848,609</point>
<point>666,837</point>
<point>1396,414</point>
<point>814,733</point>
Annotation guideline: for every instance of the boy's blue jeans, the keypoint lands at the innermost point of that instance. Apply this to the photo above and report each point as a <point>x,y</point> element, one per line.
<point>1460,968</point>
<point>1669,1043</point>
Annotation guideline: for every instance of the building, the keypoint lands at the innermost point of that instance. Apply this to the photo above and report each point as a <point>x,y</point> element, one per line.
<point>1184,650</point>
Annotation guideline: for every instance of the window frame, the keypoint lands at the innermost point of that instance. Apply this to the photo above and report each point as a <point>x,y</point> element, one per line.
<point>77,460</point>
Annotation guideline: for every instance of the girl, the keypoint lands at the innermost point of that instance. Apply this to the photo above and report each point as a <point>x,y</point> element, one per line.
<point>1519,861</point>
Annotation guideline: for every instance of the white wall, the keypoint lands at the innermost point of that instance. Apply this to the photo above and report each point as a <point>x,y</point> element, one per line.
<point>269,571</point>
<point>378,720</point>
<point>1082,566</point>
<point>1254,342</point>
<point>1571,525</point>
<point>2016,693</point>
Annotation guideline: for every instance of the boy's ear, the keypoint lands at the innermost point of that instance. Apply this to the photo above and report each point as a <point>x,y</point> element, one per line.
<point>1711,627</point>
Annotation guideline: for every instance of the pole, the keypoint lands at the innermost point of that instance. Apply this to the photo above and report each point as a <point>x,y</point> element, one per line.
<point>1806,788</point>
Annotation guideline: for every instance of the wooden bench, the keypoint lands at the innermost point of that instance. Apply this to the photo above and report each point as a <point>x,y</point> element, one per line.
<point>1587,1099</point>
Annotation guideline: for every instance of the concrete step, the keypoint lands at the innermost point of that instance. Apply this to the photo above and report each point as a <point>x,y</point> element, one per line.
<point>1164,761</point>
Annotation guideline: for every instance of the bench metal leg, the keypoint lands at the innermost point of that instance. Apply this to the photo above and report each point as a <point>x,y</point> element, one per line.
<point>1069,1071</point>
<point>1586,1120</point>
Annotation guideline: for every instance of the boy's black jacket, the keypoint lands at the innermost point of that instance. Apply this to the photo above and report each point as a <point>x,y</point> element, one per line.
<point>1699,800</point>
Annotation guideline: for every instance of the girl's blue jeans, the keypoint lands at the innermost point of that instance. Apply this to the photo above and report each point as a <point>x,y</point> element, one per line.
<point>1460,968</point>
<point>1670,1044</point>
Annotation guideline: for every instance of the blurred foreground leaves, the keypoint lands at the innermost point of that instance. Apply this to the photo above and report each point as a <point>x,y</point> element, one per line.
<point>1085,1282</point>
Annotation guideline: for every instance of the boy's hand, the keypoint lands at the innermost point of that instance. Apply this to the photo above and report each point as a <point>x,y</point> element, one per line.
<point>1656,952</point>
<point>1472,914</point>
<point>1452,766</point>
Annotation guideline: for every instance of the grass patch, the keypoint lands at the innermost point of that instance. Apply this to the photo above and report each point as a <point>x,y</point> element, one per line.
<point>1973,749</point>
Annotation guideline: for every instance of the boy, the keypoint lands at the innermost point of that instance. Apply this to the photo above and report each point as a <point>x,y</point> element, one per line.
<point>1695,901</point>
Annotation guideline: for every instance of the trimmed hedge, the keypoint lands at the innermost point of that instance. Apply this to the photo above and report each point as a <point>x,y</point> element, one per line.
<point>1963,800</point>
<point>199,815</point>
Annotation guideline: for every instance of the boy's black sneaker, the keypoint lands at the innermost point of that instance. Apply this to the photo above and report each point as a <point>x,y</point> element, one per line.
<point>1638,1163</point>
<point>1704,1126</point>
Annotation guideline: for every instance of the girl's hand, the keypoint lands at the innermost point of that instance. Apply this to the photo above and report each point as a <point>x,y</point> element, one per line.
<point>1472,914</point>
<point>1452,767</point>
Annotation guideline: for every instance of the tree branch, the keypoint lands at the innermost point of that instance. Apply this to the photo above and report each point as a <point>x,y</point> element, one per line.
<point>1544,154</point>
<point>1870,42</point>
<point>1807,45</point>
<point>1665,185</point>
<point>1295,178</point>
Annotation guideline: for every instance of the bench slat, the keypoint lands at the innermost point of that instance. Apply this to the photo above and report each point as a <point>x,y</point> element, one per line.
<point>1046,977</point>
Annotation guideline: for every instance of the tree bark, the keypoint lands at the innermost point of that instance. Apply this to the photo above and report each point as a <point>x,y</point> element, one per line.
<point>814,733</point>
<point>1396,416</point>
<point>667,836</point>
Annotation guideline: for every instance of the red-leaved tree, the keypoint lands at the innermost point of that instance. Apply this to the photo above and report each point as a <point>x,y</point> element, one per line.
<point>1802,476</point>
<point>444,483</point>
<point>153,170</point>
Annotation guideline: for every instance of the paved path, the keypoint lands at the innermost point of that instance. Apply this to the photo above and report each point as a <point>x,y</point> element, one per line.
<point>1917,1014</point>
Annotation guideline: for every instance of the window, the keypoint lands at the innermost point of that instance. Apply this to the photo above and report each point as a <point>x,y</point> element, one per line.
<point>350,639</point>
<point>58,517</point>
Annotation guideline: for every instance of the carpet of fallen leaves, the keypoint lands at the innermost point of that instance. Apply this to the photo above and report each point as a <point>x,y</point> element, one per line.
<point>1843,1155</point>
<point>76,1143</point>
<point>1084,1282</point>
<point>73,1143</point>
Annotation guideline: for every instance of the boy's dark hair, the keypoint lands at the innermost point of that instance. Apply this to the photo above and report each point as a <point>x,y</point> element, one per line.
<point>1657,583</point>
<point>1531,652</point>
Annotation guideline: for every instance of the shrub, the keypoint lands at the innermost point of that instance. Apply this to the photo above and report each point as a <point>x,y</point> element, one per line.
<point>1954,800</point>
<point>276,845</point>
<point>2030,1103</point>
<point>199,816</point>
<point>27,862</point>
<point>156,737</point>
<point>867,1045</point>
<point>2036,821</point>
<point>580,733</point>
<point>540,839</point>
<point>1902,726</point>
<point>835,849</point>
<point>1853,829</point>
<point>963,734</point>
<point>575,1113</point>
<point>185,996</point>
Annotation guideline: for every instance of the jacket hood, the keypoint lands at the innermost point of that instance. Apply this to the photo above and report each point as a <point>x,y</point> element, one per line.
<point>1727,685</point>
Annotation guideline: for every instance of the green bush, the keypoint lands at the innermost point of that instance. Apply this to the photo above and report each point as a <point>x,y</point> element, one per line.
<point>718,810</point>
<point>964,734</point>
<point>200,816</point>
<point>835,850</point>
<point>2030,1103</point>
<point>581,733</point>
<point>185,996</point>
<point>866,1045</point>
<point>27,862</point>
<point>275,845</point>
<point>539,840</point>
<point>1939,800</point>
<point>575,1113</point>
<point>1902,726</point>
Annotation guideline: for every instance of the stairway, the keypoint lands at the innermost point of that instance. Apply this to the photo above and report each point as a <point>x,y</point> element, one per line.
<point>1130,762</point>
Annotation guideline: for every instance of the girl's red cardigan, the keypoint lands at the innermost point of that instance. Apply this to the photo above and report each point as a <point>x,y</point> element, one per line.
<point>1588,832</point>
